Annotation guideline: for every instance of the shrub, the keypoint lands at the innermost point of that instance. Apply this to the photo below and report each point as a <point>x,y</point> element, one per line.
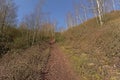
<point>59,37</point>
<point>20,42</point>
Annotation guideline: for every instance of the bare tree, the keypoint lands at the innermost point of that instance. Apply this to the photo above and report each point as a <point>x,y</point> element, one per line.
<point>84,11</point>
<point>99,8</point>
<point>70,20</point>
<point>7,13</point>
<point>77,14</point>
<point>113,3</point>
<point>39,24</point>
<point>36,20</point>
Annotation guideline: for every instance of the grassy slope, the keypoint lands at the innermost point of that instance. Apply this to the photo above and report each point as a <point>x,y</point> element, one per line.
<point>95,50</point>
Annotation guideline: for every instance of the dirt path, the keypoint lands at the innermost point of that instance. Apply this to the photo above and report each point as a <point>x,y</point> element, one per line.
<point>36,64</point>
<point>58,66</point>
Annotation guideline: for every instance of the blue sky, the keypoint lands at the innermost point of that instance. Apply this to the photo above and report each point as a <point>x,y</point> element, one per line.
<point>56,8</point>
<point>25,7</point>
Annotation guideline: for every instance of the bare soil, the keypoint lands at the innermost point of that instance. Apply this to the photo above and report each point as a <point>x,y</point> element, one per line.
<point>58,67</point>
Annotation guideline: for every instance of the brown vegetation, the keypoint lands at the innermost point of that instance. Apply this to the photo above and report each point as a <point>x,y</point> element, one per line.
<point>24,65</point>
<point>94,50</point>
<point>93,47</point>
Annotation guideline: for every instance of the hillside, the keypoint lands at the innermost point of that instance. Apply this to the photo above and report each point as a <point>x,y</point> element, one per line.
<point>95,50</point>
<point>26,64</point>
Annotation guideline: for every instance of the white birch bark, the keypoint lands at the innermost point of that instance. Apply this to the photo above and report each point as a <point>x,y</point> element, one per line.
<point>99,12</point>
<point>113,3</point>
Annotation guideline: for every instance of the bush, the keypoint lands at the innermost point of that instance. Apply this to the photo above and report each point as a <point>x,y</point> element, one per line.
<point>20,42</point>
<point>59,37</point>
<point>7,39</point>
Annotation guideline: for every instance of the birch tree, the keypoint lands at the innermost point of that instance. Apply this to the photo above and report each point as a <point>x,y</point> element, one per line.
<point>84,11</point>
<point>113,3</point>
<point>99,8</point>
<point>70,20</point>
<point>78,18</point>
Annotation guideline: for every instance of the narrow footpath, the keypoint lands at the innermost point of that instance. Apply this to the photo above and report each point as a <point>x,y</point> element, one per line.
<point>58,67</point>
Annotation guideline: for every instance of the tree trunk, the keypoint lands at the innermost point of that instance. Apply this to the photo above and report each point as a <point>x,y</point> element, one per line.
<point>113,3</point>
<point>3,21</point>
<point>99,12</point>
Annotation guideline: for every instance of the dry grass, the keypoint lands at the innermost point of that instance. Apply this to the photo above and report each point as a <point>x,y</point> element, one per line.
<point>24,65</point>
<point>95,50</point>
